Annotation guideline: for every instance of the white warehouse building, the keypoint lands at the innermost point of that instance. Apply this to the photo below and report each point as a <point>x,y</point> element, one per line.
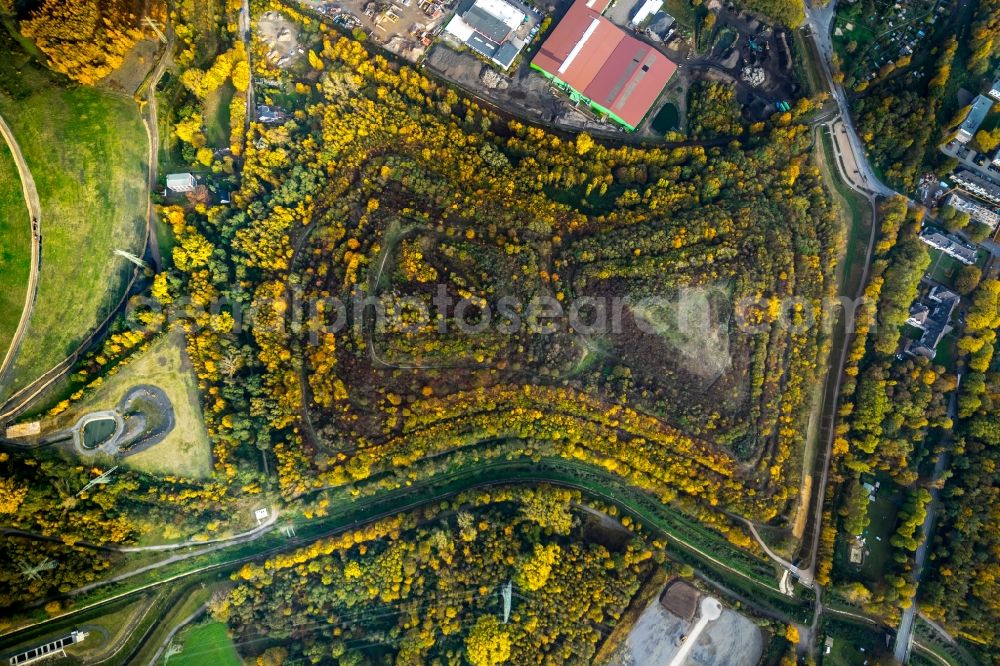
<point>487,27</point>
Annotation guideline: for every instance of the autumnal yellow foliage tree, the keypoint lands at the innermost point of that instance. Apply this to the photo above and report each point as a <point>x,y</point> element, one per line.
<point>487,643</point>
<point>11,495</point>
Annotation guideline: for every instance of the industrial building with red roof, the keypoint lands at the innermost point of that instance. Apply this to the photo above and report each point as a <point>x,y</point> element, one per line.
<point>596,61</point>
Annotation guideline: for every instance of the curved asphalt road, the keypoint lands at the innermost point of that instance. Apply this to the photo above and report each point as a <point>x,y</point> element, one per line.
<point>35,213</point>
<point>820,22</point>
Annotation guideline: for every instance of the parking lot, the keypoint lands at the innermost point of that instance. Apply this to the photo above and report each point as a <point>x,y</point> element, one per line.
<point>976,162</point>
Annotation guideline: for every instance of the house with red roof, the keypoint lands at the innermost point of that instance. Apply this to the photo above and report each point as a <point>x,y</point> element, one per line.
<point>596,62</point>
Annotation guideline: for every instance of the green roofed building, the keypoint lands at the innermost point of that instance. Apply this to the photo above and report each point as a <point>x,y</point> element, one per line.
<point>597,63</point>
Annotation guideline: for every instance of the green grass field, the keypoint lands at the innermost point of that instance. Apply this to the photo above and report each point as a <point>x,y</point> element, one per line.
<point>117,624</point>
<point>683,11</point>
<point>944,269</point>
<point>882,513</point>
<point>216,115</point>
<point>208,644</point>
<point>947,351</point>
<point>15,248</point>
<point>853,644</point>
<point>855,214</point>
<point>859,33</point>
<point>87,151</point>
<point>807,63</point>
<point>185,451</point>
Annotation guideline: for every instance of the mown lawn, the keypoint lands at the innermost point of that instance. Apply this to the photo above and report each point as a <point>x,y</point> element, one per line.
<point>87,151</point>
<point>207,644</point>
<point>185,451</point>
<point>216,116</point>
<point>853,644</point>
<point>882,513</point>
<point>943,268</point>
<point>15,248</point>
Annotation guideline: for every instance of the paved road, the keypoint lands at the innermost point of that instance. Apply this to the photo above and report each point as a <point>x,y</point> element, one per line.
<point>904,635</point>
<point>805,576</point>
<point>246,25</point>
<point>820,21</point>
<point>855,170</point>
<point>832,397</point>
<point>846,158</point>
<point>35,220</point>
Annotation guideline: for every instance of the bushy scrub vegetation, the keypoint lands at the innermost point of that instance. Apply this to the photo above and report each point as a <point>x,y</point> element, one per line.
<point>786,12</point>
<point>44,494</point>
<point>899,119</point>
<point>910,106</point>
<point>386,186</point>
<point>896,423</point>
<point>713,110</point>
<point>892,411</point>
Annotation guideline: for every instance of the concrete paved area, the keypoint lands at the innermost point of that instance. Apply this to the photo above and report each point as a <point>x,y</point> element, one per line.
<point>710,610</point>
<point>657,639</point>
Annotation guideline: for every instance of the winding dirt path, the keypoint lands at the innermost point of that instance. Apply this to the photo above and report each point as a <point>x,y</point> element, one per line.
<point>35,214</point>
<point>23,398</point>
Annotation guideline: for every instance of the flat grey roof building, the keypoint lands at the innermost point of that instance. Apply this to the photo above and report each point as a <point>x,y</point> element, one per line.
<point>951,246</point>
<point>932,315</point>
<point>976,210</point>
<point>980,107</point>
<point>995,90</point>
<point>487,27</point>
<point>976,184</point>
<point>181,182</point>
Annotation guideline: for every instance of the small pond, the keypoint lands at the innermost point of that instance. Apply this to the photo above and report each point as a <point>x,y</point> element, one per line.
<point>667,119</point>
<point>97,432</point>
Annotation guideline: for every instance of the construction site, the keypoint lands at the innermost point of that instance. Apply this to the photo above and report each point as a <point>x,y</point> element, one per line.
<point>684,626</point>
<point>404,27</point>
<point>755,57</point>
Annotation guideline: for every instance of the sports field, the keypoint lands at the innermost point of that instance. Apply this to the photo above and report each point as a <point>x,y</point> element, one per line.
<point>185,451</point>
<point>207,644</point>
<point>87,151</point>
<point>15,248</point>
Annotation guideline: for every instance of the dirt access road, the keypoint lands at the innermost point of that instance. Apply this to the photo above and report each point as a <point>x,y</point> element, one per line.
<point>35,220</point>
<point>24,397</point>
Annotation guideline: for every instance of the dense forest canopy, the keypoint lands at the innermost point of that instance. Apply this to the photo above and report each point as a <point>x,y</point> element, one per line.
<point>392,187</point>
